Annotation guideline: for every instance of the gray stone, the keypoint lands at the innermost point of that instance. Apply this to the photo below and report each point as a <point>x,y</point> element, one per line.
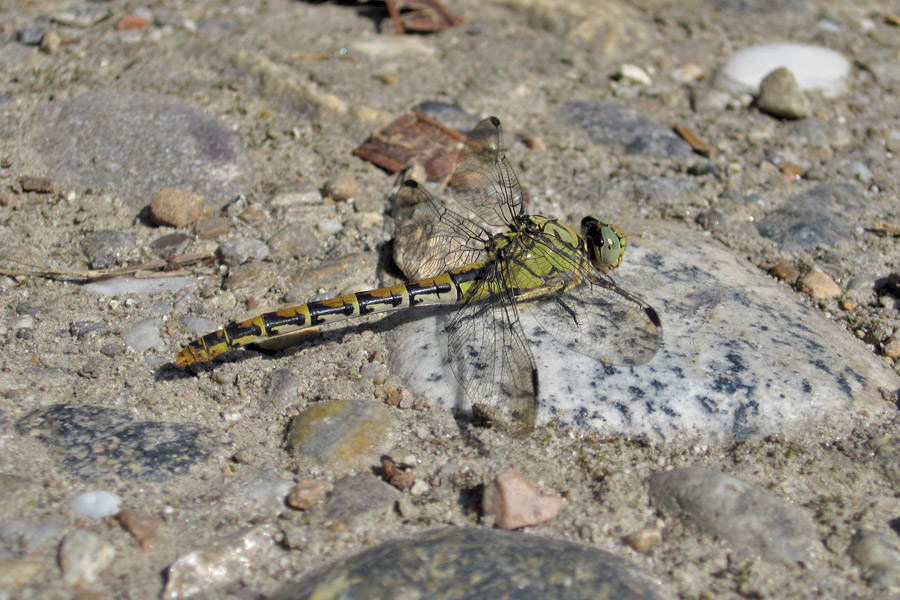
<point>106,248</point>
<point>751,519</point>
<point>139,143</point>
<point>237,251</point>
<point>780,95</point>
<point>99,443</point>
<point>359,498</point>
<point>814,218</point>
<point>299,239</point>
<point>611,124</point>
<point>443,564</point>
<point>82,16</point>
<point>282,390</point>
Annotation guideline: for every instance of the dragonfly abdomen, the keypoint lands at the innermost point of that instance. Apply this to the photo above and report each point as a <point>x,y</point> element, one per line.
<point>447,288</point>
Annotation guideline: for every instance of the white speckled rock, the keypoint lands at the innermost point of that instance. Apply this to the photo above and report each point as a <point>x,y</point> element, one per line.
<point>95,504</point>
<point>742,356</point>
<point>814,67</point>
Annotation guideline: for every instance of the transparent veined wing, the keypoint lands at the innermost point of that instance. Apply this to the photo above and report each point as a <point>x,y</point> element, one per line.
<point>599,319</point>
<point>483,180</point>
<point>430,238</point>
<point>490,357</point>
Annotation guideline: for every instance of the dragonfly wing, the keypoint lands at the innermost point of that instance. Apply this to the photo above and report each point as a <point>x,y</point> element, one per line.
<point>431,239</point>
<point>599,319</point>
<point>491,359</point>
<point>483,180</point>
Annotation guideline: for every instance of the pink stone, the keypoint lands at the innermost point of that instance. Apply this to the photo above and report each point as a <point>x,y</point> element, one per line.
<point>515,503</point>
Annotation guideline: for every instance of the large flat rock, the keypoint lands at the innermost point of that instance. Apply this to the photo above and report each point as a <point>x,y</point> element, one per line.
<point>742,355</point>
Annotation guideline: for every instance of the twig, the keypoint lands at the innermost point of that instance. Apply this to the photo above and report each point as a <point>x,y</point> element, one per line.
<point>145,270</point>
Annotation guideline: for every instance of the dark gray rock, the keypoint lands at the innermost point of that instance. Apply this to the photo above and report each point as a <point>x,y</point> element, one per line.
<point>359,498</point>
<point>95,442</point>
<point>106,248</point>
<point>468,563</point>
<point>611,124</point>
<point>812,218</point>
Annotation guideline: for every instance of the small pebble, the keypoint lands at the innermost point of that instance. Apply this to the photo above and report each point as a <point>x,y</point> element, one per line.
<point>308,494</point>
<point>82,15</point>
<point>237,251</point>
<point>820,286</point>
<point>143,528</point>
<point>328,227</point>
<point>131,22</point>
<point>891,346</point>
<point>172,244</point>
<point>212,228</point>
<point>780,95</point>
<point>343,187</point>
<point>339,433</point>
<point>82,556</point>
<point>41,185</point>
<point>95,504</point>
<point>144,335</point>
<point>875,551</point>
<point>635,74</point>
<point>785,272</point>
<point>534,143</point>
<point>31,36</point>
<point>643,540</point>
<point>514,502</point>
<point>107,247</point>
<point>176,207</point>
<point>51,42</point>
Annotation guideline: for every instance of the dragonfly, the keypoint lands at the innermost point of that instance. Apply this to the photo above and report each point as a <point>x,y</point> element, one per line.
<point>494,260</point>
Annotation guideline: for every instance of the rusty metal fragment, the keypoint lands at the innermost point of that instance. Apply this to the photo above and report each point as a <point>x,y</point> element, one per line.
<point>414,138</point>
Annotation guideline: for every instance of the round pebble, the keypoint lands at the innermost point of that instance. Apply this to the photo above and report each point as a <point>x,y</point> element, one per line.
<point>212,228</point>
<point>343,187</point>
<point>107,247</point>
<point>820,286</point>
<point>176,207</point>
<point>341,432</point>
<point>82,556</point>
<point>95,504</point>
<point>780,95</point>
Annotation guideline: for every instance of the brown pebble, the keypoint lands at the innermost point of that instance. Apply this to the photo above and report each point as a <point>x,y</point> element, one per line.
<point>212,228</point>
<point>143,528</point>
<point>891,347</point>
<point>534,142</point>
<point>791,171</point>
<point>515,503</point>
<point>820,286</point>
<point>51,42</point>
<point>643,540</point>
<point>342,188</point>
<point>178,208</point>
<point>849,305</point>
<point>308,493</point>
<point>131,22</point>
<point>785,272</point>
<point>41,185</point>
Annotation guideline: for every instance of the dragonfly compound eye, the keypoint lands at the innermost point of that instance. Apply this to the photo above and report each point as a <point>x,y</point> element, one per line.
<point>612,246</point>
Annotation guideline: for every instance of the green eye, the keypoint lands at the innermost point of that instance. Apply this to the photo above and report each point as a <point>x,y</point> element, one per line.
<point>611,245</point>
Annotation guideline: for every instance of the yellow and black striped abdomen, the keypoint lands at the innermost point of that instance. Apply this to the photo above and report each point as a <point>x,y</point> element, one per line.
<point>448,288</point>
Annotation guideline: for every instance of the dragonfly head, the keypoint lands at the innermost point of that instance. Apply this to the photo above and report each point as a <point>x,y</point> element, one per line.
<point>606,243</point>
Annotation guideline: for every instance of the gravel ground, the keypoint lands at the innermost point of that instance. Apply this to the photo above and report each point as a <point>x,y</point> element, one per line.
<point>255,107</point>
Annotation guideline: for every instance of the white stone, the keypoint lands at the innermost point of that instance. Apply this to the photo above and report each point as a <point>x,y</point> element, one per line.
<point>144,335</point>
<point>742,356</point>
<point>635,73</point>
<point>815,68</point>
<point>95,504</point>
<point>132,285</point>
